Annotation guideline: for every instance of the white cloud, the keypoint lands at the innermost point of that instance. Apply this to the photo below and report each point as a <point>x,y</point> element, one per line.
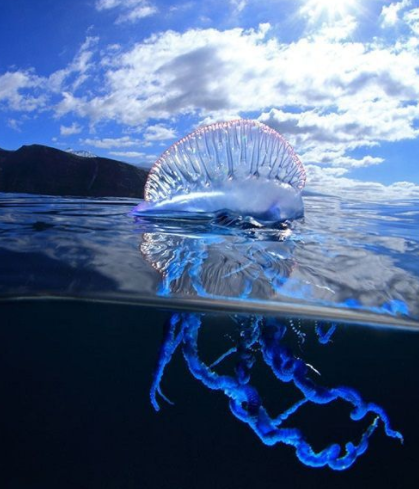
<point>171,74</point>
<point>182,7</point>
<point>69,103</point>
<point>324,138</point>
<point>74,128</point>
<point>137,13</point>
<point>339,30</point>
<point>76,72</point>
<point>412,19</point>
<point>239,5</point>
<point>108,4</point>
<point>341,95</point>
<point>131,10</point>
<point>159,132</point>
<point>18,91</point>
<point>328,95</point>
<point>324,181</point>
<point>106,143</point>
<point>390,13</point>
<point>128,154</point>
<point>143,159</point>
<point>14,124</point>
<point>219,116</point>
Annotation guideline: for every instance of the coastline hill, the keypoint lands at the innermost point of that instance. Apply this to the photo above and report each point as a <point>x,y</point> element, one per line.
<point>38,169</point>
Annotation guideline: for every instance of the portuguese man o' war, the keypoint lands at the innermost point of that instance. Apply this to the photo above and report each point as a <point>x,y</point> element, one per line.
<point>246,176</point>
<point>240,166</point>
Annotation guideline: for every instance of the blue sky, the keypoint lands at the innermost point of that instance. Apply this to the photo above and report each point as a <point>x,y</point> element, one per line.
<point>126,78</point>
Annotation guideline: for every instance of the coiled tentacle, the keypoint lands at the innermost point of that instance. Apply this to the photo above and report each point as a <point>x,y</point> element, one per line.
<point>245,401</point>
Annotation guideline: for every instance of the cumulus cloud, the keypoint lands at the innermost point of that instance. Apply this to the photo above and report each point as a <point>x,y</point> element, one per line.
<point>128,154</point>
<point>76,72</point>
<point>131,10</point>
<point>136,14</point>
<point>324,181</point>
<point>325,138</point>
<point>18,91</point>
<point>220,116</point>
<point>74,128</point>
<point>337,31</point>
<point>339,95</point>
<point>327,94</point>
<point>239,5</point>
<point>144,159</point>
<point>352,127</point>
<point>207,71</point>
<point>108,4</point>
<point>159,132</point>
<point>68,104</point>
<point>14,124</point>
<point>107,143</point>
<point>412,19</point>
<point>390,13</point>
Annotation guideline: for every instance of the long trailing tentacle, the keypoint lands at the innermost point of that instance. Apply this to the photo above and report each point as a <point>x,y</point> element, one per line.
<point>245,401</point>
<point>171,341</point>
<point>288,368</point>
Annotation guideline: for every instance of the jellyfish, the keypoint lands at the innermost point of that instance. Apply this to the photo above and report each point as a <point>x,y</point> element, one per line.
<point>243,264</point>
<point>241,166</point>
<point>214,199</point>
<point>263,337</point>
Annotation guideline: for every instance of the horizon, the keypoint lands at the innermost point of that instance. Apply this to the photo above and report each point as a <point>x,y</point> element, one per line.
<point>125,79</point>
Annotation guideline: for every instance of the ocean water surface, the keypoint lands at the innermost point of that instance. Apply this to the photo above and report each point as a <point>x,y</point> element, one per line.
<point>208,352</point>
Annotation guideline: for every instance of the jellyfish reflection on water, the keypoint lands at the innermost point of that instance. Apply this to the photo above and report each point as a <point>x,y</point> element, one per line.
<point>207,177</point>
<point>216,265</point>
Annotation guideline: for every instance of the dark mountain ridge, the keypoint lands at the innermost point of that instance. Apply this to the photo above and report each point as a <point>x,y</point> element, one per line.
<point>38,169</point>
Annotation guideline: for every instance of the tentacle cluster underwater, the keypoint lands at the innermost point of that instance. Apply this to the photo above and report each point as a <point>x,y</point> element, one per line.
<point>245,402</point>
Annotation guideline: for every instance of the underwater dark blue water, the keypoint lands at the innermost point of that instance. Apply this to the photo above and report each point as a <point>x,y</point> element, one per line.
<point>211,353</point>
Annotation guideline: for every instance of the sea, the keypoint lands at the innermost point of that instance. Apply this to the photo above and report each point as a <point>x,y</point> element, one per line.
<point>208,351</point>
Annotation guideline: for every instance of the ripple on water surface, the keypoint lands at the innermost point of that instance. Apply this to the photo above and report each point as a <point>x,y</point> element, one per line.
<point>346,260</point>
